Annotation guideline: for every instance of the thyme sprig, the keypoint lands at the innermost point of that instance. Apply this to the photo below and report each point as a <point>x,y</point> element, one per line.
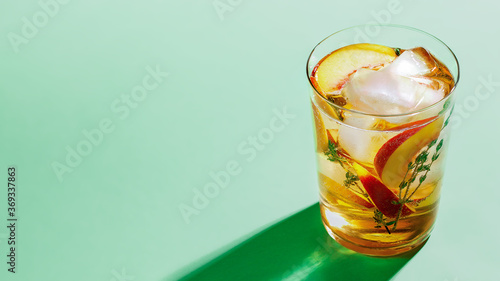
<point>381,220</point>
<point>352,180</point>
<point>333,154</point>
<point>419,169</point>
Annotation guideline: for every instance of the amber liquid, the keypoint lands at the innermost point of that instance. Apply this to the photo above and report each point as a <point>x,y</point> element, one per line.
<point>347,212</point>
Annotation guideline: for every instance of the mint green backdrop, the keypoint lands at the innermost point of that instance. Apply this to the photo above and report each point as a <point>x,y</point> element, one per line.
<point>117,115</point>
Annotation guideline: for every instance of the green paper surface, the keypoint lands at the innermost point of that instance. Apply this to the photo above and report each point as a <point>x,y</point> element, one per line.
<point>90,77</point>
<point>297,248</point>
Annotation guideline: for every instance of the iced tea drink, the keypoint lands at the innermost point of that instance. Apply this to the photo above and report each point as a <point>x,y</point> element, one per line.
<point>381,111</point>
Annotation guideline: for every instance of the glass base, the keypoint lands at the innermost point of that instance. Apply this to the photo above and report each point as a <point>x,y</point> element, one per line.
<point>410,248</point>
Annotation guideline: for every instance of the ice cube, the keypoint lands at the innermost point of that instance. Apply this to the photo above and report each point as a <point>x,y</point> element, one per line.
<point>400,87</point>
<point>359,142</point>
<point>414,62</point>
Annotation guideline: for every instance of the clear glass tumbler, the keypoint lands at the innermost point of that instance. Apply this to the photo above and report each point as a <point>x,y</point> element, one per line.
<point>380,175</point>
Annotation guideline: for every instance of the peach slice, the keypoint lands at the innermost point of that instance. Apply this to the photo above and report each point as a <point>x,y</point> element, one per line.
<point>331,176</point>
<point>383,198</point>
<point>333,71</point>
<point>343,192</point>
<point>392,159</point>
<point>323,105</point>
<point>319,125</point>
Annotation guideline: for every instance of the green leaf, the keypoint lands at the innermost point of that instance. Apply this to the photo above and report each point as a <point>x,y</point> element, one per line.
<point>419,157</point>
<point>390,223</point>
<point>332,153</point>
<point>447,121</point>
<point>422,157</point>
<point>449,116</point>
<point>445,106</point>
<point>439,145</point>
<point>435,156</point>
<point>432,143</point>
<point>403,185</point>
<point>422,178</point>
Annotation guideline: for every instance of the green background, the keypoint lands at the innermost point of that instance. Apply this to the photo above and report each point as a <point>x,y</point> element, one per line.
<point>118,210</point>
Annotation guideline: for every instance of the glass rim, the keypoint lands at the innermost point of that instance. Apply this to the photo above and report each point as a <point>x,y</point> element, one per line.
<point>414,112</point>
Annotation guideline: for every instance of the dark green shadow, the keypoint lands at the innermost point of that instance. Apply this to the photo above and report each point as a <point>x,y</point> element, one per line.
<point>297,248</point>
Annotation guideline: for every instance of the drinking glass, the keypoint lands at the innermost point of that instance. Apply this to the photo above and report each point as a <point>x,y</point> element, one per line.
<point>365,203</point>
